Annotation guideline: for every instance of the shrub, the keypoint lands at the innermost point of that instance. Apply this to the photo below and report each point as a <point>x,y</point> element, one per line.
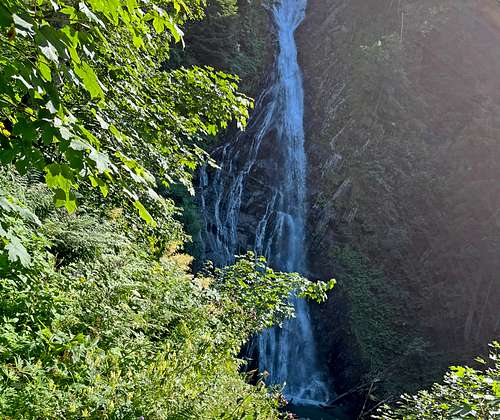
<point>466,393</point>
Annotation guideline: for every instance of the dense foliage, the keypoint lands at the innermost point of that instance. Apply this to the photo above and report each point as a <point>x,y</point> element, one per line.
<point>84,97</point>
<point>95,326</point>
<point>377,310</point>
<point>466,393</point>
<point>235,37</point>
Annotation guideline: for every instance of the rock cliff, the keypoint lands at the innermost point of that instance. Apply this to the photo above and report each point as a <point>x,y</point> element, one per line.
<point>403,137</point>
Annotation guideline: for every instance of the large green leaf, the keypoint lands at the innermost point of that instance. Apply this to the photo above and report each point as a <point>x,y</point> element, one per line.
<point>89,79</point>
<point>65,199</point>
<point>143,213</point>
<point>60,179</point>
<point>100,159</point>
<point>17,251</point>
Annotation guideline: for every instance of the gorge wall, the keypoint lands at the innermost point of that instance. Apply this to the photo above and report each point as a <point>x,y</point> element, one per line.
<point>402,121</point>
<point>402,133</point>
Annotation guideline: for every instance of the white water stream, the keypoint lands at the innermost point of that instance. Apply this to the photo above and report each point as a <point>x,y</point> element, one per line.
<point>288,354</point>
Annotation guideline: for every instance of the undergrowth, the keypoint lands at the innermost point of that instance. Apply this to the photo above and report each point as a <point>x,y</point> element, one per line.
<point>94,325</point>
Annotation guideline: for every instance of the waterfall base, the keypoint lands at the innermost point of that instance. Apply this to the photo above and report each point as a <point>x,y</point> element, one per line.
<point>314,393</point>
<point>313,412</point>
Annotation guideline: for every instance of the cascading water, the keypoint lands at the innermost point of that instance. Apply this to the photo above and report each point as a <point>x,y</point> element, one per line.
<point>288,354</point>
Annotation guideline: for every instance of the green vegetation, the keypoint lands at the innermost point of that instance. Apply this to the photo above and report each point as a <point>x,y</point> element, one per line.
<point>84,99</point>
<point>235,37</point>
<point>377,310</point>
<point>371,315</point>
<point>101,314</point>
<point>101,130</point>
<point>467,393</point>
<point>93,325</point>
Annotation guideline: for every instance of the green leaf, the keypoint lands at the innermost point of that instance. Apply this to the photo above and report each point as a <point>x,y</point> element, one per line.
<point>96,182</point>
<point>52,43</point>
<point>101,160</point>
<point>17,251</point>
<point>6,19</point>
<point>158,24</point>
<point>89,80</point>
<point>144,214</point>
<point>65,199</point>
<point>44,68</point>
<point>23,28</point>
<point>26,130</point>
<point>90,15</point>
<point>174,29</point>
<point>79,144</point>
<point>59,178</point>
<point>49,51</point>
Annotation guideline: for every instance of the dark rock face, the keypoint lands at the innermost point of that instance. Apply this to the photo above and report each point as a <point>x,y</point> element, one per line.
<point>403,137</point>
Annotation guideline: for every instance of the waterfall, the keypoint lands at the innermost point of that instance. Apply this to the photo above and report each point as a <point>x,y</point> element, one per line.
<point>288,354</point>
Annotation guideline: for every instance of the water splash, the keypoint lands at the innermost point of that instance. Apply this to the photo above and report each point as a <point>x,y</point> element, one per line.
<point>288,354</point>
